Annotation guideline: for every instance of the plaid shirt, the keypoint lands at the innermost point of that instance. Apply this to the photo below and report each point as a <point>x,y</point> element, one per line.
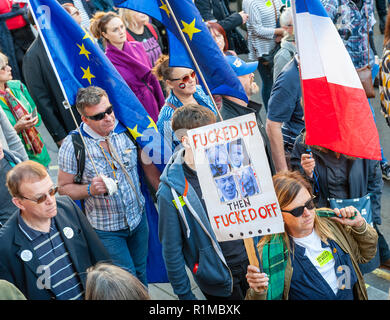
<point>352,26</point>
<point>118,211</point>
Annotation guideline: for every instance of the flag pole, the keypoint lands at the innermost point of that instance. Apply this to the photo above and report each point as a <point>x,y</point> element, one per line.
<point>65,103</point>
<point>248,242</point>
<point>192,57</point>
<point>297,58</point>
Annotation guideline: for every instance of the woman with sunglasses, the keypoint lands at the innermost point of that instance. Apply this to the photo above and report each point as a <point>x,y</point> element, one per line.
<point>337,178</point>
<point>183,90</point>
<point>21,111</point>
<point>317,257</point>
<point>130,59</point>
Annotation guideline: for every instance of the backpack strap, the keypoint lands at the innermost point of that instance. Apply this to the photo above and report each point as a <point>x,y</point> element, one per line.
<point>129,37</point>
<point>79,152</point>
<point>152,30</point>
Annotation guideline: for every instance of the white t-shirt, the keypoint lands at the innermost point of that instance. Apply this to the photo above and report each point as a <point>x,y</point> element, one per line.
<point>321,258</point>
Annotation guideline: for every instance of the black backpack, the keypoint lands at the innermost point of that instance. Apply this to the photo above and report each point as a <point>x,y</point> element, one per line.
<point>79,151</point>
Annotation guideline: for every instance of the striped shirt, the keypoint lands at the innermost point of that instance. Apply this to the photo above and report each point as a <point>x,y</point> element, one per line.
<point>261,25</point>
<point>83,13</point>
<point>120,210</point>
<point>62,279</point>
<point>351,23</point>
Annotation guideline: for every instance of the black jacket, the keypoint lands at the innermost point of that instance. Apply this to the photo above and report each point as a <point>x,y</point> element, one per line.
<point>231,109</point>
<point>85,249</point>
<point>364,177</point>
<point>219,10</point>
<point>43,86</point>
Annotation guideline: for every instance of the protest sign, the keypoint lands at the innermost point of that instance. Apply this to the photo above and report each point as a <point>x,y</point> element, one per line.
<point>235,179</point>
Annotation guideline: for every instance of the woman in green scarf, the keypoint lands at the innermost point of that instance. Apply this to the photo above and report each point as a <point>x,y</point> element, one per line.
<point>317,256</point>
<point>21,111</point>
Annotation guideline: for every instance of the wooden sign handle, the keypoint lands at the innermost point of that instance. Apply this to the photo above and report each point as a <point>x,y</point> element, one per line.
<point>250,250</point>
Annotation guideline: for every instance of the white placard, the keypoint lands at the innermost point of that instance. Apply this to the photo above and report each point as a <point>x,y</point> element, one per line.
<point>235,179</point>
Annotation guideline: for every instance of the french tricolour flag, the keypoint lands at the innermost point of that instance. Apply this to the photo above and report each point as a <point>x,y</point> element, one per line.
<point>337,113</point>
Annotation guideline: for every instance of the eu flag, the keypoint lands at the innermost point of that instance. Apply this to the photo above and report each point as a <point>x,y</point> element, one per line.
<point>219,76</point>
<point>79,62</point>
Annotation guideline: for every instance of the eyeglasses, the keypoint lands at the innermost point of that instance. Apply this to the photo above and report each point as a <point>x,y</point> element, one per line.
<point>186,78</point>
<point>4,67</point>
<point>52,191</point>
<point>101,115</point>
<point>298,211</point>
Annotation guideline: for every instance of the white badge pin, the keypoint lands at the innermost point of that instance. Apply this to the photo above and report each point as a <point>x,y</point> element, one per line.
<point>26,255</point>
<point>68,232</point>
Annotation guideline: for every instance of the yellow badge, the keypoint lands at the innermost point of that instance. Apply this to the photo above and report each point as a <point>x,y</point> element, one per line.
<point>324,258</point>
<point>182,203</point>
<point>268,3</point>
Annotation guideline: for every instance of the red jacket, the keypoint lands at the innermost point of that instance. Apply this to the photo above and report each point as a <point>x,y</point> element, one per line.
<point>13,23</point>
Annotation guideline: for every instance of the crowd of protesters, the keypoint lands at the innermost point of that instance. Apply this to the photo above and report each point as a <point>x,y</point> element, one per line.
<point>91,241</point>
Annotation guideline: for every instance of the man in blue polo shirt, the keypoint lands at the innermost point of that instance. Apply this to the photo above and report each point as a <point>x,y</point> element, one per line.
<point>285,114</point>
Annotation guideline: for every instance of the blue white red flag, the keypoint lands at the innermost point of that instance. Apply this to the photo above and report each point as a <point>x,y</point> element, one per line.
<point>337,113</point>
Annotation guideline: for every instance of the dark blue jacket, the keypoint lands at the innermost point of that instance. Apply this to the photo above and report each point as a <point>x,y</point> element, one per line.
<point>364,177</point>
<point>187,237</point>
<point>85,250</point>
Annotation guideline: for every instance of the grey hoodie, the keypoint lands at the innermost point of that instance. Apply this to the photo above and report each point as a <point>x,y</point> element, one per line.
<point>187,237</point>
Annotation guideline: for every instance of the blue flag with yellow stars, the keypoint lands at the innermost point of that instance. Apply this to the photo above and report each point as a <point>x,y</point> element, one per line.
<point>79,62</point>
<point>219,76</point>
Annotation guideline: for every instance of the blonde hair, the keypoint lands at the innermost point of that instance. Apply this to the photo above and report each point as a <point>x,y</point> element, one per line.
<point>127,16</point>
<point>287,186</point>
<point>109,282</point>
<point>3,58</point>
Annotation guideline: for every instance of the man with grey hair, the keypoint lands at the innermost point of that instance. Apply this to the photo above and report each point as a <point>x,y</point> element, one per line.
<point>287,49</point>
<point>112,196</point>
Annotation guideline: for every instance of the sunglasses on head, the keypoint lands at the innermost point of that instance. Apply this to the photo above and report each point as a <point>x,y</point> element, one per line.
<point>101,115</point>
<point>52,191</point>
<point>186,78</point>
<point>298,211</point>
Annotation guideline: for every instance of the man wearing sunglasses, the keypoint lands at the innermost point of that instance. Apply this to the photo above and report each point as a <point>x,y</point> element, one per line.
<point>118,218</point>
<point>47,245</point>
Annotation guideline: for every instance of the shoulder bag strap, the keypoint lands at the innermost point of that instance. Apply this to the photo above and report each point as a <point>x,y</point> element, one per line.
<point>276,15</point>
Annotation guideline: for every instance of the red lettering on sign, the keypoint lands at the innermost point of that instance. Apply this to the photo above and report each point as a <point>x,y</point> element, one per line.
<point>265,216</point>
<point>235,134</point>
<point>274,207</point>
<point>244,215</point>
<point>252,124</point>
<point>237,217</point>
<point>230,219</point>
<point>216,221</point>
<point>254,212</point>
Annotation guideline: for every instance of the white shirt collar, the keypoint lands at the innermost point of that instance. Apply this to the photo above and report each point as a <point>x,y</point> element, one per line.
<point>95,135</point>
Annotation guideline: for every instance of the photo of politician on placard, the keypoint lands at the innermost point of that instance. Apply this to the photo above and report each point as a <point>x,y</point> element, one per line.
<point>227,188</point>
<point>235,179</point>
<point>248,182</point>
<point>218,160</point>
<point>238,155</point>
